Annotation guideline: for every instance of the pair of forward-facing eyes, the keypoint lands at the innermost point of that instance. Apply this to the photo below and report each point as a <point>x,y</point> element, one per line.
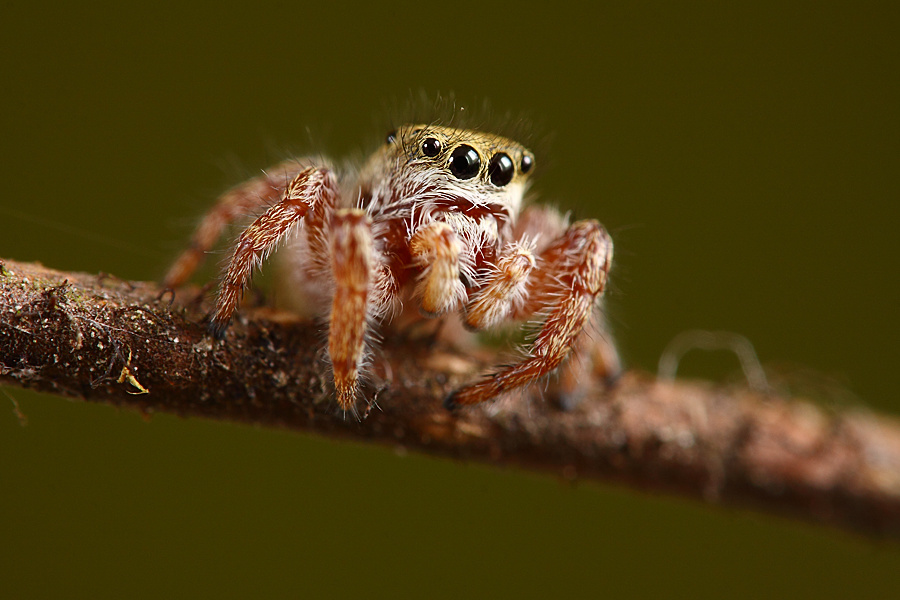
<point>465,162</point>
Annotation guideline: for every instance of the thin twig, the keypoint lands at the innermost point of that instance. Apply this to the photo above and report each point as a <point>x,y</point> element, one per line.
<point>102,339</point>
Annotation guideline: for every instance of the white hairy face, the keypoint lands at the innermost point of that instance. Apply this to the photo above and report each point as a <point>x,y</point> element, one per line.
<point>452,166</point>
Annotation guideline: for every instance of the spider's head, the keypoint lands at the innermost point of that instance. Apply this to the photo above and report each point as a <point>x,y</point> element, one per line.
<point>461,164</point>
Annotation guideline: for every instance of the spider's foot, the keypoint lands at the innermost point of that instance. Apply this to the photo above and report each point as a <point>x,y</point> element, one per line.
<point>450,402</point>
<point>217,329</point>
<point>611,380</point>
<point>565,400</point>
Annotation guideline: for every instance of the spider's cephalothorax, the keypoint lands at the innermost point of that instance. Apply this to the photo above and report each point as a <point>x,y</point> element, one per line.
<point>437,211</point>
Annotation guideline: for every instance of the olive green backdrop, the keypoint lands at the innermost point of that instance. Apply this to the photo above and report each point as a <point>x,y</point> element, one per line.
<point>745,160</point>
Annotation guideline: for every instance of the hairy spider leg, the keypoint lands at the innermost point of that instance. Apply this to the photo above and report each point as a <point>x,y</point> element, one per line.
<point>504,290</point>
<point>594,355</point>
<point>313,192</point>
<point>353,263</point>
<point>436,248</point>
<point>570,276</point>
<point>233,205</point>
<point>593,358</point>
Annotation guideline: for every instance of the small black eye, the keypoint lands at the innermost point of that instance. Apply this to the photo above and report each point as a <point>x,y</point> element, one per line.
<point>501,169</point>
<point>527,163</point>
<point>431,147</point>
<point>391,137</point>
<point>464,162</point>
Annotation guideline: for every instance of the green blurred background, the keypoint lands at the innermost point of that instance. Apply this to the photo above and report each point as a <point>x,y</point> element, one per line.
<point>745,160</point>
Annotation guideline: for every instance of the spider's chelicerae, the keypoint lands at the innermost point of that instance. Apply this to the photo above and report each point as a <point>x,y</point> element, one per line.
<point>435,219</point>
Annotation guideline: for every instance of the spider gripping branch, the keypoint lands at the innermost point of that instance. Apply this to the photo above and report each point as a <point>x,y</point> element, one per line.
<point>75,335</point>
<point>433,220</point>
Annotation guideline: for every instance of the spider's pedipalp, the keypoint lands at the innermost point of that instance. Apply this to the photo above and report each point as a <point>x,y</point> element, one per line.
<point>504,289</point>
<point>314,192</point>
<point>437,248</point>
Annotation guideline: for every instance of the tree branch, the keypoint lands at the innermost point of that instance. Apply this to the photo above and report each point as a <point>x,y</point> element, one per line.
<point>106,340</point>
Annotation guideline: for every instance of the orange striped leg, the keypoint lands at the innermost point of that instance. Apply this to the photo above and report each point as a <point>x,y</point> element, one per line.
<point>577,264</point>
<point>437,248</point>
<point>352,263</point>
<point>235,204</point>
<point>314,191</point>
<point>593,358</point>
<point>504,289</point>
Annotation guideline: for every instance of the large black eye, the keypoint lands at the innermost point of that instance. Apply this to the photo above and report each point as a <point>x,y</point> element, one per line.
<point>431,147</point>
<point>501,169</point>
<point>527,163</point>
<point>391,137</point>
<point>464,162</point>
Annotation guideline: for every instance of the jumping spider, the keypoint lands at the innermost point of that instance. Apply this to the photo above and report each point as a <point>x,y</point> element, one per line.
<point>435,214</point>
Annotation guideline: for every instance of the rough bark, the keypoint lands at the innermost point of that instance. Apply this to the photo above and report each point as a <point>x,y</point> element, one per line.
<point>102,339</point>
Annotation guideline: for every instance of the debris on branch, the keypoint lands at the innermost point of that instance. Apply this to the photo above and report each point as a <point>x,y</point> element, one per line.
<point>103,339</point>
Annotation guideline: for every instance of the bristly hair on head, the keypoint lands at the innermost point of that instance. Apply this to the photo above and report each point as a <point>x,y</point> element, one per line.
<point>449,111</point>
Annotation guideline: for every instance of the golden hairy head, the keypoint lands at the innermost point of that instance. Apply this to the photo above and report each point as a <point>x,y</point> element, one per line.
<point>463,153</point>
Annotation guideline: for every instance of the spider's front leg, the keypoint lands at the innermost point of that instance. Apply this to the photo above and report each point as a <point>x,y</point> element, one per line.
<point>570,277</point>
<point>312,194</point>
<point>361,291</point>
